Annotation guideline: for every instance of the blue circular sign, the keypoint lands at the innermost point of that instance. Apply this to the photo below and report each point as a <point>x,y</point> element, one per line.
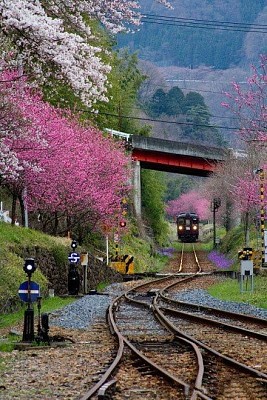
<point>74,257</point>
<point>29,291</point>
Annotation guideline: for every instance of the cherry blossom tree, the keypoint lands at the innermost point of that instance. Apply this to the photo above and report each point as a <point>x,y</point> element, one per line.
<point>55,38</point>
<point>14,127</point>
<point>192,201</point>
<point>237,181</point>
<point>249,104</point>
<point>91,171</point>
<point>70,171</point>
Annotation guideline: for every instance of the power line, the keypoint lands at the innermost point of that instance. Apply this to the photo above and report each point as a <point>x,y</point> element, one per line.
<point>162,121</point>
<point>195,90</point>
<point>202,81</point>
<point>210,115</point>
<point>183,25</point>
<point>191,23</point>
<point>205,21</point>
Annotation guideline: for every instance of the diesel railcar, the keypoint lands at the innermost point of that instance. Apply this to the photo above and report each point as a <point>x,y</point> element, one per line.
<point>187,227</point>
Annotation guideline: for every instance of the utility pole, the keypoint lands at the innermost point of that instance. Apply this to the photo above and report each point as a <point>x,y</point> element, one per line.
<point>215,204</point>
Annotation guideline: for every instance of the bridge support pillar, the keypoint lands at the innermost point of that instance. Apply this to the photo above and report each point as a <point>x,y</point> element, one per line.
<point>137,187</point>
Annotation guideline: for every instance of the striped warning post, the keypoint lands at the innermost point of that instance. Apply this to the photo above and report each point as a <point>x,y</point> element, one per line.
<point>262,216</point>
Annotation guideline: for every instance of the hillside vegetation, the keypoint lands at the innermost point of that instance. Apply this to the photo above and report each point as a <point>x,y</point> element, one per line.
<point>186,37</point>
<point>17,244</point>
<point>51,256</point>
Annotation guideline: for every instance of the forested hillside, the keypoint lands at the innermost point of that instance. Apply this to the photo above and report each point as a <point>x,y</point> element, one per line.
<point>187,37</point>
<point>201,47</point>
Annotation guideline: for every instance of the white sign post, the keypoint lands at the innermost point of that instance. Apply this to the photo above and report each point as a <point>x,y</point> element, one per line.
<point>246,273</point>
<point>84,263</point>
<point>107,247</point>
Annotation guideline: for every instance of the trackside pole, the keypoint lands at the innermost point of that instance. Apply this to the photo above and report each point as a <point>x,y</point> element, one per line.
<point>107,249</point>
<point>84,264</point>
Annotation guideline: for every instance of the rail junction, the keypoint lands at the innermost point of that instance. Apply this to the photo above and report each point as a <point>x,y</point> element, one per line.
<point>168,349</point>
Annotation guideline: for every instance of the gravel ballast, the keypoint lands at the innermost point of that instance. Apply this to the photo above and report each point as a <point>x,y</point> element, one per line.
<point>91,308</point>
<point>201,297</point>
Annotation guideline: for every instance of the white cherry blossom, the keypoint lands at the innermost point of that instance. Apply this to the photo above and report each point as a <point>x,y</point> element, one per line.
<point>53,38</point>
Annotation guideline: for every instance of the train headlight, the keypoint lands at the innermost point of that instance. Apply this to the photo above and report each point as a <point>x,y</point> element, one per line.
<point>180,227</point>
<point>194,228</point>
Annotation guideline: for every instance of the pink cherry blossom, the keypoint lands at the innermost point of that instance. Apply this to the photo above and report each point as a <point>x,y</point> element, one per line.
<point>67,168</point>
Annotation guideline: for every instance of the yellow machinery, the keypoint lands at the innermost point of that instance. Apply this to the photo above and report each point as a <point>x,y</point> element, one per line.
<point>123,264</point>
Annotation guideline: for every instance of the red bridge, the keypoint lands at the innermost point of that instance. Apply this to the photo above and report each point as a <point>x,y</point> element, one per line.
<point>169,156</point>
<point>179,157</point>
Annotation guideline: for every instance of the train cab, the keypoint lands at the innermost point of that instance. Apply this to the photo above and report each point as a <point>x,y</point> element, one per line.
<point>187,227</point>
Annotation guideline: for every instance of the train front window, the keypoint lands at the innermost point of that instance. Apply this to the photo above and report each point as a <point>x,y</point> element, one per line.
<point>187,224</point>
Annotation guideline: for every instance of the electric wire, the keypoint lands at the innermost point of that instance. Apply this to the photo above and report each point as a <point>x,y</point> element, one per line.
<point>208,21</point>
<point>203,24</point>
<point>210,115</point>
<point>165,121</point>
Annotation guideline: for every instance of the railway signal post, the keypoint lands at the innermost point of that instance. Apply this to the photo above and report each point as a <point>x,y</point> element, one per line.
<point>84,264</point>
<point>73,275</point>
<point>215,204</point>
<point>29,291</point>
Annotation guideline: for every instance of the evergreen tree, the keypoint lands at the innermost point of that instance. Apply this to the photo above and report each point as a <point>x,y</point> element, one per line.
<point>174,101</point>
<point>193,99</point>
<point>178,185</point>
<point>158,103</point>
<point>199,128</point>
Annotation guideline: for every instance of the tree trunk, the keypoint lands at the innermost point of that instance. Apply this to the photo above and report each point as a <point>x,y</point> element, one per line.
<point>55,223</point>
<point>13,209</point>
<point>246,228</point>
<point>22,209</point>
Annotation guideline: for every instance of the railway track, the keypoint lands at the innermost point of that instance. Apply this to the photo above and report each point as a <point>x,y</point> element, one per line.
<point>190,260</point>
<point>159,348</point>
<point>194,361</point>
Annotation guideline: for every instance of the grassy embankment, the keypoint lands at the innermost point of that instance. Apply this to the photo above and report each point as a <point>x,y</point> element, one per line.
<point>16,241</point>
<point>13,239</point>
<point>230,289</point>
<point>11,271</point>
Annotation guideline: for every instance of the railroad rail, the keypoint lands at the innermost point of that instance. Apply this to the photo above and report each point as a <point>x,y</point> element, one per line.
<point>183,355</point>
<point>190,259</point>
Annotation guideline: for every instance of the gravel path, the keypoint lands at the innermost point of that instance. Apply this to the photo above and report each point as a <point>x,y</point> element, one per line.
<point>94,307</point>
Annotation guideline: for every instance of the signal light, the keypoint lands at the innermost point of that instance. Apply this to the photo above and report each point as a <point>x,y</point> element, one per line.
<point>245,254</point>
<point>123,224</point>
<point>74,244</point>
<point>29,266</point>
